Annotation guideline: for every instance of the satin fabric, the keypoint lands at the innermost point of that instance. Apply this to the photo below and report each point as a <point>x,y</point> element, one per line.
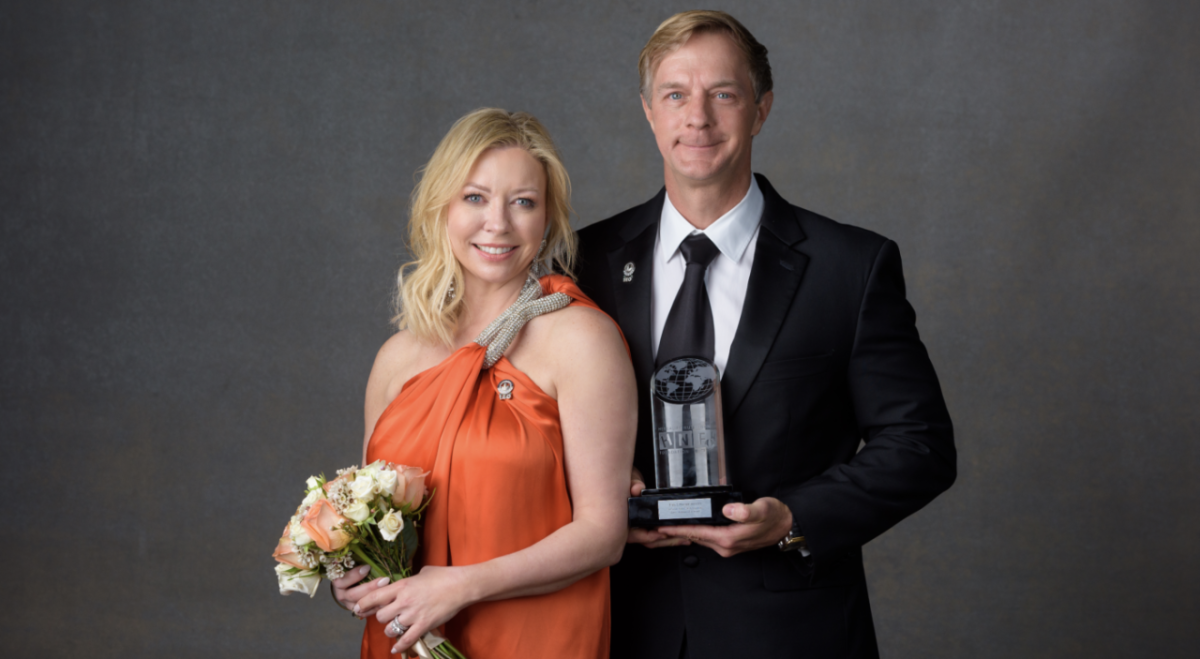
<point>497,468</point>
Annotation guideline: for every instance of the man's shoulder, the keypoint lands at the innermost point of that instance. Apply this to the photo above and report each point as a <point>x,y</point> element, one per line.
<point>613,231</point>
<point>821,229</point>
<point>605,231</point>
<point>809,230</point>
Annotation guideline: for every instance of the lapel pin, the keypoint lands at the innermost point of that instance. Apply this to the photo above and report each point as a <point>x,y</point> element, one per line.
<point>505,389</point>
<point>628,272</point>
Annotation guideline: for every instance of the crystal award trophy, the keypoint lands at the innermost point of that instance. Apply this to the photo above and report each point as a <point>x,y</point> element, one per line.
<point>689,449</point>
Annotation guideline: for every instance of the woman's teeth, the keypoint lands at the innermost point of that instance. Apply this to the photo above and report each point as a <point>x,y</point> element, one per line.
<point>496,250</point>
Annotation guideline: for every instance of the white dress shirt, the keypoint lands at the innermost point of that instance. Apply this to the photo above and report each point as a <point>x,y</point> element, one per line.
<point>735,234</point>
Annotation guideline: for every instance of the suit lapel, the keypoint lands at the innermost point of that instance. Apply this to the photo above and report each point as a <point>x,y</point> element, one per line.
<point>633,296</point>
<point>774,279</point>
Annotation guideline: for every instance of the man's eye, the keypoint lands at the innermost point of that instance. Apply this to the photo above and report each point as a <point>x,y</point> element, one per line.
<point>724,95</point>
<point>473,198</point>
<point>675,96</point>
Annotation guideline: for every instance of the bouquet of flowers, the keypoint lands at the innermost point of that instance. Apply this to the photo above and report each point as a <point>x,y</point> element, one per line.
<point>364,516</point>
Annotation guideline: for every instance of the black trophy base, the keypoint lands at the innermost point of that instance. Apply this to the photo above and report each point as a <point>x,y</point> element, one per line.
<point>682,505</point>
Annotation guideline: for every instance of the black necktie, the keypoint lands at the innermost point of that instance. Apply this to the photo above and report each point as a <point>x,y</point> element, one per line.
<point>689,329</point>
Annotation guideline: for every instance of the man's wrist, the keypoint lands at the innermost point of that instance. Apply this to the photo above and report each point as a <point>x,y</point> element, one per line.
<point>794,540</point>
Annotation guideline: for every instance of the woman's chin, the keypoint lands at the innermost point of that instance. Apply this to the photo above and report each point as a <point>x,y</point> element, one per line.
<point>495,278</point>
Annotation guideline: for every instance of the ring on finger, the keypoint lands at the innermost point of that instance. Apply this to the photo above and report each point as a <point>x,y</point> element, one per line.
<point>396,627</point>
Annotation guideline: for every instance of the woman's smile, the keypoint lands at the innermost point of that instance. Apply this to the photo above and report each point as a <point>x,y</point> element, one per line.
<point>495,250</point>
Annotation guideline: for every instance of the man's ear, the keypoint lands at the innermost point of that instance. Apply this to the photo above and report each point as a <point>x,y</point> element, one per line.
<point>646,109</point>
<point>763,109</point>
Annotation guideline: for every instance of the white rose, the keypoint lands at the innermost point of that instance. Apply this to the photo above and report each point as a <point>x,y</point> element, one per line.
<point>387,482</point>
<point>299,535</point>
<point>391,525</point>
<point>363,487</point>
<point>301,581</point>
<point>312,497</point>
<point>312,483</point>
<point>357,511</point>
<point>370,471</point>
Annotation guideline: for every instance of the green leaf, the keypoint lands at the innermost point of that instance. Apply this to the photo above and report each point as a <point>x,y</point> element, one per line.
<point>408,535</point>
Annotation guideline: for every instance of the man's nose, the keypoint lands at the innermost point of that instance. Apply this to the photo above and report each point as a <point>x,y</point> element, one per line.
<point>699,112</point>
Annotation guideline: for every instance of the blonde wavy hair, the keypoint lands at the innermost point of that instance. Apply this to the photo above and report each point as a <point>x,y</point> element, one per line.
<point>429,295</point>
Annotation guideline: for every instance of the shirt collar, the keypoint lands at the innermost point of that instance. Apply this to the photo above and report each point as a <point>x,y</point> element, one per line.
<point>731,233</point>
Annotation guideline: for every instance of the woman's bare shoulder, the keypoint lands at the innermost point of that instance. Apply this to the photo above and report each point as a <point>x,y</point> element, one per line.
<point>399,347</point>
<point>398,359</point>
<point>581,334</point>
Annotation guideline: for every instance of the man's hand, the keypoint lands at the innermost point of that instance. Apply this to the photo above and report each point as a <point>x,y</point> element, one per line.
<point>650,538</point>
<point>759,524</point>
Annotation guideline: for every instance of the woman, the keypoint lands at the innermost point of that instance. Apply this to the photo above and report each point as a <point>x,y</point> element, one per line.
<point>528,432</point>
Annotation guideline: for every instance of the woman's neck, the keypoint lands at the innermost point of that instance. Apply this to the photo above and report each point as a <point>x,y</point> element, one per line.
<point>483,303</point>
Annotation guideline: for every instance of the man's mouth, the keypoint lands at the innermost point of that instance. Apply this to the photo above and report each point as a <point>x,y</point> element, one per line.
<point>496,250</point>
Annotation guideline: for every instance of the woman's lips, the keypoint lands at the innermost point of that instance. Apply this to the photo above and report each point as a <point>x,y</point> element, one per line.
<point>496,249</point>
<point>495,252</point>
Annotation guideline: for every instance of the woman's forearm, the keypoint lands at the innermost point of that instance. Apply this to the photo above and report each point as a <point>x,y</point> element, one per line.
<point>560,559</point>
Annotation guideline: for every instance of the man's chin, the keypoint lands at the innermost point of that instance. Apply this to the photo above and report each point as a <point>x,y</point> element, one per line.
<point>706,173</point>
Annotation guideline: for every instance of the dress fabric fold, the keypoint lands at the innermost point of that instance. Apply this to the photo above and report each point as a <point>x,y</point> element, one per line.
<point>497,466</point>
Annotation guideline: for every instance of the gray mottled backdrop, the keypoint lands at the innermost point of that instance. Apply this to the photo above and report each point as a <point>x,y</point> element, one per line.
<point>202,207</point>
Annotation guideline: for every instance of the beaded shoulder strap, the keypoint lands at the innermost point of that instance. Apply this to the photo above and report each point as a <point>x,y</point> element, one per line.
<point>497,336</point>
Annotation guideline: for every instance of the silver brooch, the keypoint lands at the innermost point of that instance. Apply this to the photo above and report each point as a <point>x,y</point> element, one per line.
<point>628,272</point>
<point>505,389</point>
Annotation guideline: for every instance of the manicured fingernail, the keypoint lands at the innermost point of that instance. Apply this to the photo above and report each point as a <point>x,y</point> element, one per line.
<point>381,583</point>
<point>356,609</point>
<point>364,569</point>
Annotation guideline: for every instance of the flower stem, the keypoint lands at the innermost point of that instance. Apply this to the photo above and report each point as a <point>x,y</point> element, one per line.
<point>376,571</point>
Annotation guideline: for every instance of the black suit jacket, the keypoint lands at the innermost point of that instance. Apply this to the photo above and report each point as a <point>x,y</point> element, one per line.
<point>826,354</point>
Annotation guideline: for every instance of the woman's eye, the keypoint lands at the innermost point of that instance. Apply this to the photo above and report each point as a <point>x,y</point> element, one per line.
<point>526,202</point>
<point>473,198</point>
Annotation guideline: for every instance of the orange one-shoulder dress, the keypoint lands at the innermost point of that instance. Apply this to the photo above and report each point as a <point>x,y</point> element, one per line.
<point>497,466</point>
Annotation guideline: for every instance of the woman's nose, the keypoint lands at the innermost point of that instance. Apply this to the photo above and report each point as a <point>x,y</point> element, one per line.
<point>496,218</point>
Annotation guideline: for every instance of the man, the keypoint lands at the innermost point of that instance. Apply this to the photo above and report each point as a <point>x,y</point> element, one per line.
<point>817,347</point>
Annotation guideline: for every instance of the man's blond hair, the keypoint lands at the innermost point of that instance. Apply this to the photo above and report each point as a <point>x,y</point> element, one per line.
<point>676,30</point>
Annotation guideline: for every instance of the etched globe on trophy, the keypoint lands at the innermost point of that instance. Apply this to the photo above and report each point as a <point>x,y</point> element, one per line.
<point>689,449</point>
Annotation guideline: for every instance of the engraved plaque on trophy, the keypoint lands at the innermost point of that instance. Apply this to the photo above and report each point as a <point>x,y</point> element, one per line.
<point>692,485</point>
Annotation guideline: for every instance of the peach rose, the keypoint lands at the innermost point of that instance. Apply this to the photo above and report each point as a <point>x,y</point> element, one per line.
<point>410,488</point>
<point>285,551</point>
<point>324,525</point>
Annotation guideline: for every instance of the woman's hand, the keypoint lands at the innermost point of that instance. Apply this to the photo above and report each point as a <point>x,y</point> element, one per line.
<point>422,602</point>
<point>348,590</point>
